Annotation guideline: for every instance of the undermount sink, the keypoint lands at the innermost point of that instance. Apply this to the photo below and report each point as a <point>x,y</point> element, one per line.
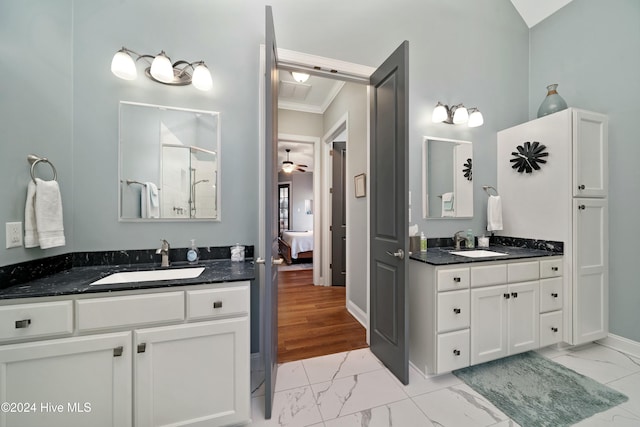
<point>478,253</point>
<point>149,276</point>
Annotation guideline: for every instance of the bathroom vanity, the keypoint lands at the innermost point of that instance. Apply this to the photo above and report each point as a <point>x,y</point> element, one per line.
<point>141,354</point>
<point>466,311</point>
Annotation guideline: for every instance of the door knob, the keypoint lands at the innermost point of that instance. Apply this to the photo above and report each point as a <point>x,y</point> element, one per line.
<point>399,254</point>
<point>259,260</point>
<point>277,261</point>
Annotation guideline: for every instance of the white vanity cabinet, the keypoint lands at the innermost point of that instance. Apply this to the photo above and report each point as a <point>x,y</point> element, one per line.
<point>70,382</point>
<point>176,356</point>
<point>565,201</point>
<point>466,314</point>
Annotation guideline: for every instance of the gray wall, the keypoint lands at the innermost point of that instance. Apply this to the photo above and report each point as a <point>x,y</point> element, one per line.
<point>300,123</point>
<point>301,190</point>
<point>592,49</point>
<point>352,99</point>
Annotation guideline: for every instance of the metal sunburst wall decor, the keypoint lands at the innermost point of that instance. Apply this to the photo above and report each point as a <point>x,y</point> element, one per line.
<point>467,169</point>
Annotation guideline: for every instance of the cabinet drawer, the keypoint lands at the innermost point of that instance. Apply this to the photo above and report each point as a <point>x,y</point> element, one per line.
<point>36,320</point>
<point>550,268</point>
<point>209,303</point>
<point>453,310</point>
<point>550,294</point>
<point>453,351</point>
<point>114,312</point>
<point>454,278</point>
<point>550,328</point>
<point>523,271</point>
<point>489,275</point>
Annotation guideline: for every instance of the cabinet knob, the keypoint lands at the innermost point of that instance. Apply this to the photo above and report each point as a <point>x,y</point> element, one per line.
<point>506,296</point>
<point>456,352</point>
<point>581,187</point>
<point>554,268</point>
<point>554,329</point>
<point>456,279</point>
<point>117,352</point>
<point>457,310</point>
<point>217,304</point>
<point>514,294</point>
<point>142,347</point>
<point>554,294</point>
<point>582,207</point>
<point>21,324</point>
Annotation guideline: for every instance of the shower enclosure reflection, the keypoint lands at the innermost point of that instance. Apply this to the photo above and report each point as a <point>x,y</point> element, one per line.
<point>169,163</point>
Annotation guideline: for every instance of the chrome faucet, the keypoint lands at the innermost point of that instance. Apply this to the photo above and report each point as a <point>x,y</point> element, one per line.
<point>458,237</point>
<point>164,251</point>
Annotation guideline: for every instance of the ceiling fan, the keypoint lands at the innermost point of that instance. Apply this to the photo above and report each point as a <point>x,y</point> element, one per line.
<point>288,166</point>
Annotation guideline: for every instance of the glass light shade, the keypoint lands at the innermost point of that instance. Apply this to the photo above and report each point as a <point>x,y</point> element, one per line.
<point>475,119</point>
<point>123,66</point>
<point>201,78</point>
<point>461,115</point>
<point>287,167</point>
<point>300,77</point>
<point>439,114</point>
<point>161,68</point>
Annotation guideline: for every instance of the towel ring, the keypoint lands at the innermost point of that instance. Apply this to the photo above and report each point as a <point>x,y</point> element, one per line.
<point>487,188</point>
<point>34,160</point>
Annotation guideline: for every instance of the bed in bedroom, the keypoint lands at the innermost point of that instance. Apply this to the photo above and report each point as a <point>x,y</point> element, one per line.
<point>296,245</point>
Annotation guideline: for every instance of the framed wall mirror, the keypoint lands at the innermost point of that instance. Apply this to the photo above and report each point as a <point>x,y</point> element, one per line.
<point>447,178</point>
<point>169,163</point>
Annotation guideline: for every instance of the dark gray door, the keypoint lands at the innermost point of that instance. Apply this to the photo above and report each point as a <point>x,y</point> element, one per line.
<point>270,251</point>
<point>389,214</point>
<point>338,215</point>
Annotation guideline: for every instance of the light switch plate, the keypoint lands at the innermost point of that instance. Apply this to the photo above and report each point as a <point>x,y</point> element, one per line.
<point>14,234</point>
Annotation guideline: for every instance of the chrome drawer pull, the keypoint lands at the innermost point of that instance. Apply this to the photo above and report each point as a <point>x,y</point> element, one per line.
<point>554,329</point>
<point>456,310</point>
<point>21,324</point>
<point>456,352</point>
<point>554,268</point>
<point>514,294</point>
<point>555,295</point>
<point>117,352</point>
<point>506,296</point>
<point>581,187</point>
<point>456,279</point>
<point>217,304</point>
<point>142,347</point>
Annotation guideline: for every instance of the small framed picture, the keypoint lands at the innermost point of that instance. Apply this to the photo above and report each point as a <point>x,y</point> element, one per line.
<point>361,185</point>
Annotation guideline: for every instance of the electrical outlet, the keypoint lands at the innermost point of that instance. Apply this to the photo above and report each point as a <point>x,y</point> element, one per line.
<point>14,234</point>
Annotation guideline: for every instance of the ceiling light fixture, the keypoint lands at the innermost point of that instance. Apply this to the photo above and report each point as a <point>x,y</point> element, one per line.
<point>287,165</point>
<point>457,114</point>
<point>162,70</point>
<point>300,77</point>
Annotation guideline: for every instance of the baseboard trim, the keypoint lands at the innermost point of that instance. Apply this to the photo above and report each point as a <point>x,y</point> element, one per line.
<point>357,313</point>
<point>622,344</point>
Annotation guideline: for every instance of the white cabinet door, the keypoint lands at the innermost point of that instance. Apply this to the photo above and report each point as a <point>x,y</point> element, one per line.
<point>488,323</point>
<point>192,374</point>
<point>590,287</point>
<point>524,317</point>
<point>589,154</point>
<point>81,381</point>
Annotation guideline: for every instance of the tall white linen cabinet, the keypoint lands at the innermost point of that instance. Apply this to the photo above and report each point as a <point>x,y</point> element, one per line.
<point>564,200</point>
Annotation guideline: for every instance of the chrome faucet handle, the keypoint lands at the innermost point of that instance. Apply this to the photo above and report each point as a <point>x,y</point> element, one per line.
<point>164,247</point>
<point>457,238</point>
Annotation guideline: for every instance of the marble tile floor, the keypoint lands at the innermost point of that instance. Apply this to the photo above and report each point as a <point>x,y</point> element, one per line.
<point>353,389</point>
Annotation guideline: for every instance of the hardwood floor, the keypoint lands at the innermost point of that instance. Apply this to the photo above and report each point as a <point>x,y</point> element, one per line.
<point>313,320</point>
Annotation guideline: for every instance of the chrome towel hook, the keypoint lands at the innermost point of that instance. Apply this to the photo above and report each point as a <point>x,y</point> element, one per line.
<point>487,188</point>
<point>34,160</point>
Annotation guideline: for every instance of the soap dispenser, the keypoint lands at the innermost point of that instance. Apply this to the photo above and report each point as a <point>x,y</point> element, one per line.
<point>193,254</point>
<point>470,243</point>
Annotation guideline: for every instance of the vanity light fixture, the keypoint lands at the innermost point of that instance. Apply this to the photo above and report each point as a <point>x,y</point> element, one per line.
<point>161,69</point>
<point>300,77</point>
<point>457,114</point>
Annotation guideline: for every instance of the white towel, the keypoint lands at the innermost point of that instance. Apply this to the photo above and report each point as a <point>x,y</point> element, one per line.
<point>494,213</point>
<point>47,208</point>
<point>149,203</point>
<point>447,205</point>
<point>30,226</point>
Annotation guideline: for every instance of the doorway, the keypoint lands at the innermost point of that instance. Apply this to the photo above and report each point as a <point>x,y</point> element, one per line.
<point>316,320</point>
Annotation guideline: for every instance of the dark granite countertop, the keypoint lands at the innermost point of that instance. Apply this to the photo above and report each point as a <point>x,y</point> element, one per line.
<point>76,280</point>
<point>441,255</point>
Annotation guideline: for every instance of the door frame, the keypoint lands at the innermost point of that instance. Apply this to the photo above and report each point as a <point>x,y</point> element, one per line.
<point>318,272</point>
<point>347,71</point>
